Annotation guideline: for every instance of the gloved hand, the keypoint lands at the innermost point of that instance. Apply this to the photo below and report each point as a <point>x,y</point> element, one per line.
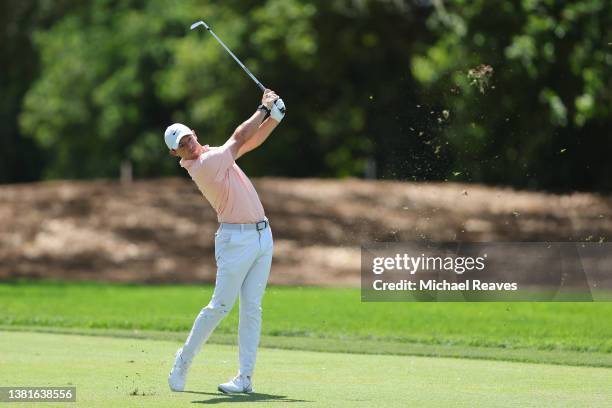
<point>278,110</point>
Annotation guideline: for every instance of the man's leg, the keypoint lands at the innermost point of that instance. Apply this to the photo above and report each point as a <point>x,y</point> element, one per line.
<point>251,295</point>
<point>226,290</point>
<point>234,253</point>
<point>223,299</point>
<point>233,264</point>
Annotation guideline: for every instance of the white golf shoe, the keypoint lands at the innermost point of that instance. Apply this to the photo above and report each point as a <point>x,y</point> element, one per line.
<point>178,374</point>
<point>240,384</point>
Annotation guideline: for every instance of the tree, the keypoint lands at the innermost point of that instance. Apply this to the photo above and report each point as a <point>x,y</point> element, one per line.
<point>370,80</point>
<point>116,73</point>
<point>544,121</point>
<point>20,157</point>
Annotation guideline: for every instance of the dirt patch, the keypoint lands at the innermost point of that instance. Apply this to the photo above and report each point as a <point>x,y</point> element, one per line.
<point>162,230</point>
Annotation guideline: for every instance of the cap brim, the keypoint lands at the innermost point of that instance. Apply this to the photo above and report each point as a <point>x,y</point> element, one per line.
<point>178,139</point>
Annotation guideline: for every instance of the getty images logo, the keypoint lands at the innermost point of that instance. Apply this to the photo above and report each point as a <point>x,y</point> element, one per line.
<point>413,264</point>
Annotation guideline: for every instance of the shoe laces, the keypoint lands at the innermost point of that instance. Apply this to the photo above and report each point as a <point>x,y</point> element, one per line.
<point>242,380</point>
<point>182,364</point>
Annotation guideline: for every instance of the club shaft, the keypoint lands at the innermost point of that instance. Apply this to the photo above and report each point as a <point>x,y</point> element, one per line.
<point>259,84</point>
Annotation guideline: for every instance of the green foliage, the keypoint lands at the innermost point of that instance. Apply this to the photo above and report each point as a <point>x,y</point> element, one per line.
<point>89,106</point>
<point>20,158</point>
<point>363,81</point>
<point>115,74</point>
<point>551,90</point>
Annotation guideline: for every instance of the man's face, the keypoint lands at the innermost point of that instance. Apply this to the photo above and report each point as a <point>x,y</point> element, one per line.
<point>188,148</point>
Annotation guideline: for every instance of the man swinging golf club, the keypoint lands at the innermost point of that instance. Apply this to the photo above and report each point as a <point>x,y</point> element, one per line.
<point>243,242</point>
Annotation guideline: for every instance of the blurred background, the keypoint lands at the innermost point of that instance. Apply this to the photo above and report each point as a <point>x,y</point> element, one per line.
<point>374,88</point>
<point>415,119</point>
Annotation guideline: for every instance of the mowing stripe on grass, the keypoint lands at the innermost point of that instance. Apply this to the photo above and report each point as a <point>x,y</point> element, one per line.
<point>356,346</point>
<point>314,313</point>
<point>132,372</point>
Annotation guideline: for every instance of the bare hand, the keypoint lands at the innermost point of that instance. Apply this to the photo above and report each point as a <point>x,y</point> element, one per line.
<point>268,98</point>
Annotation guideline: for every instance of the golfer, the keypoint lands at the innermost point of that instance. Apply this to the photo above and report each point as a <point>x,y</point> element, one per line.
<point>243,242</point>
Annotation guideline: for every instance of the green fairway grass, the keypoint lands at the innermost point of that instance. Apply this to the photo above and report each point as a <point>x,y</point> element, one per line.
<point>317,314</point>
<point>114,372</point>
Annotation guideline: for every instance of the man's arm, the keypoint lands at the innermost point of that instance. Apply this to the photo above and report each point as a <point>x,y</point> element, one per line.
<point>248,129</point>
<point>259,137</point>
<point>244,133</point>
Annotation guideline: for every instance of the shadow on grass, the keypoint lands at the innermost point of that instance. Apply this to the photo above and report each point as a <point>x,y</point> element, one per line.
<point>253,397</point>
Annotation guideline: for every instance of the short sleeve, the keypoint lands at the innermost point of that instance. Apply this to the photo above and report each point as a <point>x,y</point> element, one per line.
<point>217,161</point>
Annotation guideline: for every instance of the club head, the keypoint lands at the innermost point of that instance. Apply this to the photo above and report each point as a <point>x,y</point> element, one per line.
<point>200,23</point>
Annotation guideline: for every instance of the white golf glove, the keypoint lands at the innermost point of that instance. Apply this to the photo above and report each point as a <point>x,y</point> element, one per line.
<point>278,110</point>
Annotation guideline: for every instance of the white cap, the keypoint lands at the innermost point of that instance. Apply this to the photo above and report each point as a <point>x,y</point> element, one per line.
<point>174,134</point>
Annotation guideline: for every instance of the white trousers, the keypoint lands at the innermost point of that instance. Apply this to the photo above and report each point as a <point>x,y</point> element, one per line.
<point>243,260</point>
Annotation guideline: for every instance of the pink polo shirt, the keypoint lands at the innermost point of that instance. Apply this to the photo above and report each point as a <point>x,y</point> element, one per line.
<point>225,186</point>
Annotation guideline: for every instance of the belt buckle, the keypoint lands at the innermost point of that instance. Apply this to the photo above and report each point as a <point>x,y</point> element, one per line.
<point>265,223</point>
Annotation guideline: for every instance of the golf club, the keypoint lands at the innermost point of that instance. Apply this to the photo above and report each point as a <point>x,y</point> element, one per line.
<point>202,23</point>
